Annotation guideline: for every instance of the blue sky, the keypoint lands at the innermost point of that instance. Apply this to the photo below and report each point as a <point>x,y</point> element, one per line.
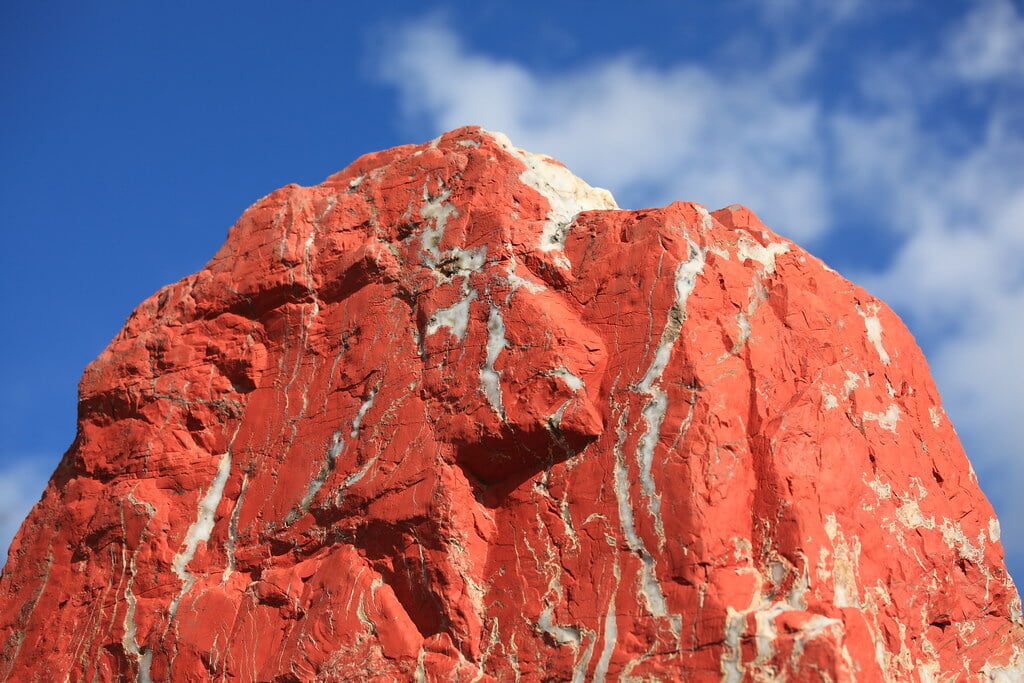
<point>888,138</point>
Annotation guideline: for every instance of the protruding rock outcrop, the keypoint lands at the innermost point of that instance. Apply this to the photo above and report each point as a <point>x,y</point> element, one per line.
<point>452,415</point>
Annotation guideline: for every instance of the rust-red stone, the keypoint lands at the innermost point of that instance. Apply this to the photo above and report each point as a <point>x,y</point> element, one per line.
<point>451,416</point>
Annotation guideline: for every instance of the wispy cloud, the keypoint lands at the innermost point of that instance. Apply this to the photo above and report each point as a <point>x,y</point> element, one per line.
<point>950,196</point>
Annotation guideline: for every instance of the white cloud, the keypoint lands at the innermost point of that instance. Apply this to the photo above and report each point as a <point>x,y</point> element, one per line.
<point>21,486</point>
<point>654,135</point>
<point>990,45</point>
<point>966,210</point>
<point>952,200</point>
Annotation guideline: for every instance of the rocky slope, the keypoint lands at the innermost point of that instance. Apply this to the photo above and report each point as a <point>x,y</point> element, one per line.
<point>452,415</point>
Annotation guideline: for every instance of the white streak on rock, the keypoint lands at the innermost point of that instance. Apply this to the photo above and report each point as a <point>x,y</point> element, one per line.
<point>200,530</point>
<point>707,222</point>
<point>358,420</point>
<point>731,659</point>
<point>852,382</point>
<point>828,400</point>
<point>337,444</point>
<point>579,671</point>
<point>766,633</point>
<point>994,530</point>
<point>1012,673</point>
<point>882,490</point>
<point>621,485</point>
<point>743,325</point>
<point>649,585</point>
<point>461,262</point>
<point>129,640</point>
<point>356,476</point>
<point>886,420</point>
<point>686,276</point>
<point>657,403</point>
<point>317,482</point>
<point>436,210</point>
<point>232,540</point>
<point>873,327</point>
<point>572,381</point>
<point>765,255</point>
<point>567,195</point>
<point>515,281</point>
<point>797,595</point>
<point>563,635</point>
<point>811,629</point>
<point>490,379</point>
<point>455,317</point>
<point>652,590</point>
<point>611,632</point>
<point>844,560</point>
<point>421,669</point>
<point>911,516</point>
<point>954,537</point>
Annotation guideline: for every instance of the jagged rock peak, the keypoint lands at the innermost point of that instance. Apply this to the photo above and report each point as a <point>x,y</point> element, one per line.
<point>452,415</point>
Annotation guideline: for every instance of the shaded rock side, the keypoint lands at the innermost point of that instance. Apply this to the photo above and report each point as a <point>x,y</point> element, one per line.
<point>452,415</point>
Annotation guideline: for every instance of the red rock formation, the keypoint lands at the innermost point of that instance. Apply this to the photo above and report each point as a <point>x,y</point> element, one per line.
<point>451,415</point>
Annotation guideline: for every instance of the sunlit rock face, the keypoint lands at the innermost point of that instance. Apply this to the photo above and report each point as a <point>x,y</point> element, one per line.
<point>452,415</point>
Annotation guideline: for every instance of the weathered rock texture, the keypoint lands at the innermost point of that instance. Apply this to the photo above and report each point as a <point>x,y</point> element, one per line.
<point>451,415</point>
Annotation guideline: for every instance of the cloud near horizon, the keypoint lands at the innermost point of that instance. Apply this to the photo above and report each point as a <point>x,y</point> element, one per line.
<point>948,198</point>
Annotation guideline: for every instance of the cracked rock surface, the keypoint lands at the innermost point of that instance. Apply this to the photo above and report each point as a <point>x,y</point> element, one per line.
<point>452,415</point>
